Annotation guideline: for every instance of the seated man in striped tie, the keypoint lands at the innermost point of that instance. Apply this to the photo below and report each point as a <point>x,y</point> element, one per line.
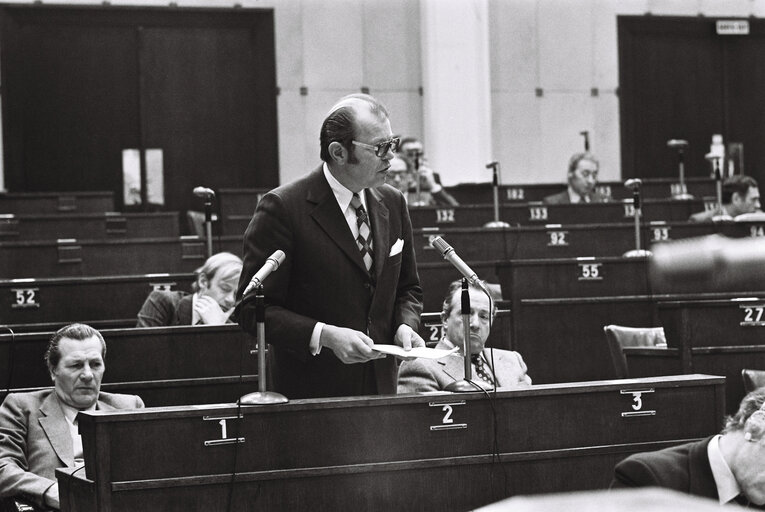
<point>727,467</point>
<point>38,430</point>
<point>490,366</point>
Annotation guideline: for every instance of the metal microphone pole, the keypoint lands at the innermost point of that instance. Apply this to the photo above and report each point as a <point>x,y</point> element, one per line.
<point>637,252</point>
<point>721,215</point>
<point>208,224</point>
<point>680,145</point>
<point>464,386</point>
<point>261,396</point>
<point>496,223</point>
<point>586,136</point>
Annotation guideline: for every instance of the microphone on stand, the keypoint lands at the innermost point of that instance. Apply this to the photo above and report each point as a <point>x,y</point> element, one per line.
<point>262,396</point>
<point>496,223</point>
<point>634,184</point>
<point>271,264</point>
<point>447,251</point>
<point>207,194</point>
<point>714,159</point>
<point>204,192</point>
<point>680,145</point>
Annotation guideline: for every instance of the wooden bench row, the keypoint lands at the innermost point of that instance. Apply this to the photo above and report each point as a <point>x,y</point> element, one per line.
<point>383,453</point>
<point>88,225</point>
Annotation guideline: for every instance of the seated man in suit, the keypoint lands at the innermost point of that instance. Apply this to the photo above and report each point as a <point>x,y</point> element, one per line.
<point>727,467</point>
<point>740,195</point>
<point>211,303</point>
<point>582,180</point>
<point>431,191</point>
<point>423,375</point>
<point>38,430</point>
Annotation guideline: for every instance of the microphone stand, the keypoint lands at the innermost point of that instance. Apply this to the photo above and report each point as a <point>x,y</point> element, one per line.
<point>418,194</point>
<point>682,194</point>
<point>721,216</point>
<point>496,223</point>
<point>261,396</point>
<point>586,136</point>
<point>208,223</point>
<point>464,385</point>
<point>637,252</point>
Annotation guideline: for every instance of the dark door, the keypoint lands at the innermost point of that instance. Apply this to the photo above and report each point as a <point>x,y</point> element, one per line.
<point>680,79</point>
<point>82,84</point>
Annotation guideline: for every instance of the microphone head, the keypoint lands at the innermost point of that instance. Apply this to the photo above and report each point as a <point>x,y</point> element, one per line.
<point>492,165</point>
<point>278,258</point>
<point>677,143</point>
<point>440,245</point>
<point>203,192</point>
<point>633,184</point>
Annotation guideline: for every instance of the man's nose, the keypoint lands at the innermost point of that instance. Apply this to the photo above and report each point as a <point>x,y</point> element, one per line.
<point>87,373</point>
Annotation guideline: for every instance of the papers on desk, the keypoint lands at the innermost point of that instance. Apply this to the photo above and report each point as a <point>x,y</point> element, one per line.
<point>424,352</point>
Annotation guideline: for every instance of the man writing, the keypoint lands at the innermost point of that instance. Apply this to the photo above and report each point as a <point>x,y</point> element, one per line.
<point>38,430</point>
<point>349,279</point>
<point>740,195</point>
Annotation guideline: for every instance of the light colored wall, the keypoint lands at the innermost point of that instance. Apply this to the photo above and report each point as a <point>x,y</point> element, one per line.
<point>563,47</point>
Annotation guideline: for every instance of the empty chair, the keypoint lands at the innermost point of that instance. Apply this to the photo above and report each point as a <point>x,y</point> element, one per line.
<point>753,379</point>
<point>619,337</point>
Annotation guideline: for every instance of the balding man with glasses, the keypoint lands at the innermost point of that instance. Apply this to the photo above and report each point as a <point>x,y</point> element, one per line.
<point>582,182</point>
<point>349,279</point>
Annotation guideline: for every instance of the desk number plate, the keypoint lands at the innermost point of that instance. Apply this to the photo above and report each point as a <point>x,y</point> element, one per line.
<point>447,422</point>
<point>753,315</point>
<point>637,403</point>
<point>223,422</point>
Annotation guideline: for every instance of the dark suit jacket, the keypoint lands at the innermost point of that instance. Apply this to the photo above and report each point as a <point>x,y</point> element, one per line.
<point>424,375</point>
<point>165,307</point>
<point>323,278</point>
<point>35,440</point>
<point>563,198</point>
<point>684,468</point>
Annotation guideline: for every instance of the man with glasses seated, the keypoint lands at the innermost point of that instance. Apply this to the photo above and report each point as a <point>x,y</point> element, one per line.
<point>349,279</point>
<point>582,180</point>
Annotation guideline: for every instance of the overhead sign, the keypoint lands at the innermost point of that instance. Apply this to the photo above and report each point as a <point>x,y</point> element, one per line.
<point>732,27</point>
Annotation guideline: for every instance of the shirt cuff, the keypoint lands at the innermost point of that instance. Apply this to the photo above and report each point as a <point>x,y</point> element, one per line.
<point>315,345</point>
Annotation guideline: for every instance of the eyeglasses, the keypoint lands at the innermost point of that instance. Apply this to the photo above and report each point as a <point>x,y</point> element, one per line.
<point>381,149</point>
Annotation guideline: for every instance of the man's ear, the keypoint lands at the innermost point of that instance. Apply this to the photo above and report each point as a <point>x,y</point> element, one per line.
<point>736,198</point>
<point>338,152</point>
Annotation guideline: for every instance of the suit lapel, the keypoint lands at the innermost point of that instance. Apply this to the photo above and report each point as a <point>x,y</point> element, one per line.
<point>329,217</point>
<point>56,428</point>
<point>700,477</point>
<point>378,213</point>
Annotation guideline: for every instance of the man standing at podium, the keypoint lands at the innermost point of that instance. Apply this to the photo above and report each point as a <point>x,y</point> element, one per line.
<point>349,279</point>
<point>38,430</point>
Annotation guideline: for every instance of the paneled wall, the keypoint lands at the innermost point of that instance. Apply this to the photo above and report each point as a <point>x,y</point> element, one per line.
<point>554,73</point>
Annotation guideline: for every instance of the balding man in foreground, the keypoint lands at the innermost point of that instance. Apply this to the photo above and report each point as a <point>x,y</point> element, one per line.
<point>349,279</point>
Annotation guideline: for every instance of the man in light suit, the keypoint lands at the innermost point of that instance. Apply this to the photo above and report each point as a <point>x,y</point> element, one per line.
<point>38,430</point>
<point>491,367</point>
<point>349,279</point>
<point>727,467</point>
<point>582,180</point>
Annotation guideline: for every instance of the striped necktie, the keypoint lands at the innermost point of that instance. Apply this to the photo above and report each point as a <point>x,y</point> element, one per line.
<point>364,240</point>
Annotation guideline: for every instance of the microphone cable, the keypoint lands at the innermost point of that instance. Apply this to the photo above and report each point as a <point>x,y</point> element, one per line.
<point>237,428</point>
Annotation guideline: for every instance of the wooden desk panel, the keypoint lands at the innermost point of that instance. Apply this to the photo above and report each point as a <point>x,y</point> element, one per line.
<point>652,188</point>
<point>56,202</point>
<point>64,258</point>
<point>382,453</point>
<point>88,225</point>
<point>58,301</point>
<point>164,365</point>
<point>466,216</point>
